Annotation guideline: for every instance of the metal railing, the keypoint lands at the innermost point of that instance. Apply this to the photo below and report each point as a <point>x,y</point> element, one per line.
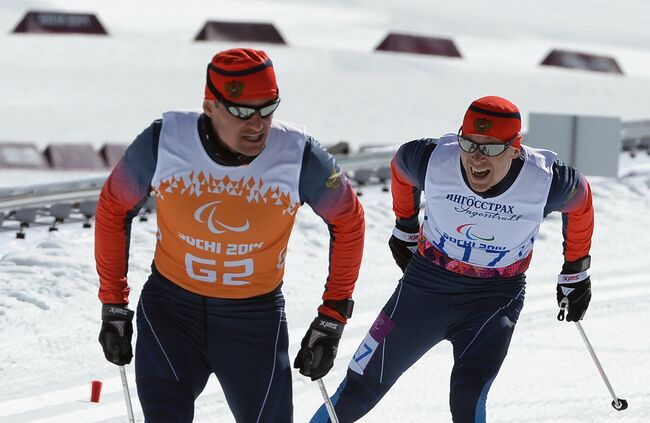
<point>51,193</point>
<point>56,202</point>
<point>63,202</point>
<point>635,137</point>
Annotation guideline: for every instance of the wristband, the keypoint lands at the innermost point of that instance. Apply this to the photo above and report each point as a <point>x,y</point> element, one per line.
<point>406,236</point>
<point>572,277</point>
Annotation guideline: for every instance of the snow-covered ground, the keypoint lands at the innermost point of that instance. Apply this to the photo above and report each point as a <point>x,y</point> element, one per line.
<point>50,320</point>
<point>96,89</point>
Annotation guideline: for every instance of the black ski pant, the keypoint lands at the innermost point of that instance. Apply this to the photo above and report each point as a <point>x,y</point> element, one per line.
<point>183,338</point>
<point>429,305</point>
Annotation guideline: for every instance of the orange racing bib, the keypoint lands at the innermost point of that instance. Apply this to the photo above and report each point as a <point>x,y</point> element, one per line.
<point>223,230</point>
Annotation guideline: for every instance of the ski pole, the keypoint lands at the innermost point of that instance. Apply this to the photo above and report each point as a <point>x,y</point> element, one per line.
<point>328,402</point>
<point>127,396</point>
<point>619,404</point>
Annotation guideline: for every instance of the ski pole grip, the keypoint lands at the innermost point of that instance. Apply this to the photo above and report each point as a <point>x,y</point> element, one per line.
<point>564,305</point>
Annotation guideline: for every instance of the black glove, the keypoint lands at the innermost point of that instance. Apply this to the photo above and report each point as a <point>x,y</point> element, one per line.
<point>116,332</point>
<point>574,289</point>
<point>318,347</point>
<point>403,244</point>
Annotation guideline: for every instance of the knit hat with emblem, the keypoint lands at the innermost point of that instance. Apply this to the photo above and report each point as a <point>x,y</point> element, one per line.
<point>494,117</point>
<point>241,74</point>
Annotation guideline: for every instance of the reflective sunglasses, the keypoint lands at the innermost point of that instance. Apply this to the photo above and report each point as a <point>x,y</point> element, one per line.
<point>491,149</point>
<point>246,111</point>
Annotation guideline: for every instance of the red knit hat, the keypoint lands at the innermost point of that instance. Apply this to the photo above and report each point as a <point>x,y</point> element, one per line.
<point>241,74</point>
<point>494,117</point>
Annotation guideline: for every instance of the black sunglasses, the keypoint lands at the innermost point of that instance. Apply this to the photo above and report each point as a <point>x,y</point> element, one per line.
<point>243,111</point>
<point>487,149</point>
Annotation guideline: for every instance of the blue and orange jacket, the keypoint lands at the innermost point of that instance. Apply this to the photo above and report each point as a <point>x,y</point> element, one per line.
<point>569,194</point>
<point>192,245</point>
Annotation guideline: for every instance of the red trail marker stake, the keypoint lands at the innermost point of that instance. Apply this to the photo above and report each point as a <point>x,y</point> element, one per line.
<point>95,390</point>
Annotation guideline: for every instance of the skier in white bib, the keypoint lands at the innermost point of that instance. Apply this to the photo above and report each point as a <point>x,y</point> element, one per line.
<point>486,196</point>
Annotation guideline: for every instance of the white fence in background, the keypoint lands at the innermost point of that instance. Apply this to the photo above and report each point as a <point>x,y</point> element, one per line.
<point>591,144</point>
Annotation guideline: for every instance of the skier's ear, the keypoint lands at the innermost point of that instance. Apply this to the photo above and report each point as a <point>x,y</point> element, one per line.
<point>209,107</point>
<point>514,152</point>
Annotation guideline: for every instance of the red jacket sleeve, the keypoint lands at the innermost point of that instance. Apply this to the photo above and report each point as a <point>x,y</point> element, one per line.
<point>408,169</point>
<point>406,196</point>
<point>570,194</point>
<point>124,192</point>
<point>327,190</point>
<point>578,222</point>
<point>347,228</point>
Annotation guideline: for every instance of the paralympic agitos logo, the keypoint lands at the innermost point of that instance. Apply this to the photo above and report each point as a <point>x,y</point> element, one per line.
<point>214,225</point>
<point>466,229</point>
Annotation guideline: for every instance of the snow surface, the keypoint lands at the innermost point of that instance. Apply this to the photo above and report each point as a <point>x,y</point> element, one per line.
<point>96,89</point>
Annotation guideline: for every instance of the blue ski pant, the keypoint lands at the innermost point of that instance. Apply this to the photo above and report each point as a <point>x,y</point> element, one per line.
<point>183,338</point>
<point>429,305</point>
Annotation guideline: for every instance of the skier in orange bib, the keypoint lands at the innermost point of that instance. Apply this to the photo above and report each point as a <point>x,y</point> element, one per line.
<point>227,183</point>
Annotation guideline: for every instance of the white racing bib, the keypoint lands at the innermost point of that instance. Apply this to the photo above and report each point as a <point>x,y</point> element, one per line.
<point>223,230</point>
<point>491,232</point>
